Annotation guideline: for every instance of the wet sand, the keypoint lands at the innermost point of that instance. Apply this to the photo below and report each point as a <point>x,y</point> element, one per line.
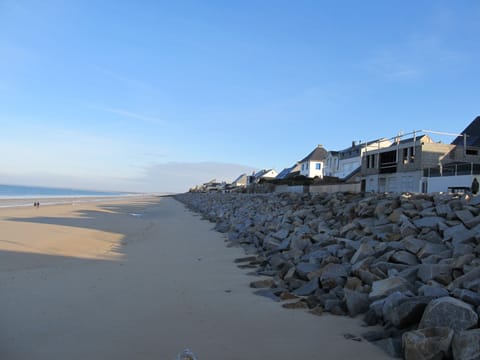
<point>143,279</point>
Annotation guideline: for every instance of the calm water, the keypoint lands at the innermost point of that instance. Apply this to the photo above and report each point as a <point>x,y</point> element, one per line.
<point>15,191</point>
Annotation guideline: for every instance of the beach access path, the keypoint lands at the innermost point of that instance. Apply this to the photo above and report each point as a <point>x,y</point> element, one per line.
<point>144,278</point>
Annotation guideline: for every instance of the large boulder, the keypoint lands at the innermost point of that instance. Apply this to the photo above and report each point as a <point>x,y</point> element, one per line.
<point>408,311</point>
<point>427,344</point>
<point>450,312</point>
<point>466,345</point>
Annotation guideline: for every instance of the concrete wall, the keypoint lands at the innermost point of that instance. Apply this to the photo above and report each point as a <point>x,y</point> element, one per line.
<point>397,182</point>
<point>292,189</point>
<point>441,183</point>
<point>334,188</point>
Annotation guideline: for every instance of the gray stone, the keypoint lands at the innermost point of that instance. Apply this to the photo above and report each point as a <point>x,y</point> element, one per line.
<point>407,228</point>
<point>432,291</point>
<point>450,312</point>
<point>413,244</point>
<point>392,346</point>
<point>333,275</point>
<point>258,284</point>
<point>470,297</point>
<point>443,209</point>
<point>427,344</point>
<point>473,222</point>
<point>281,234</point>
<point>357,302</point>
<point>459,234</point>
<point>308,288</point>
<point>466,345</point>
<point>383,288</point>
<point>404,257</point>
<point>440,273</point>
<point>464,215</point>
<point>303,269</point>
<point>407,311</point>
<point>430,222</point>
<point>461,281</point>
<point>365,250</point>
<point>431,249</point>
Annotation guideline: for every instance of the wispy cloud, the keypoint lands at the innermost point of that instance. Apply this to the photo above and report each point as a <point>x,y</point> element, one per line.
<point>133,115</point>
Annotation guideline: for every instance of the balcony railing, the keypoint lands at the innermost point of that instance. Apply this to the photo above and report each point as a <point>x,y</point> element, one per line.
<point>452,170</point>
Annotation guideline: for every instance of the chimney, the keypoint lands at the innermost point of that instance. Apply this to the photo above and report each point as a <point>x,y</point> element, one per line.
<point>354,143</point>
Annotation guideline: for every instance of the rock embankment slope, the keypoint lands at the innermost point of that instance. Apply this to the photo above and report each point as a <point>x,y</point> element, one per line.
<point>409,262</point>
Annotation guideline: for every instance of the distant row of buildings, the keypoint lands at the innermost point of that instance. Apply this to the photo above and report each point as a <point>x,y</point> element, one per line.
<point>412,162</point>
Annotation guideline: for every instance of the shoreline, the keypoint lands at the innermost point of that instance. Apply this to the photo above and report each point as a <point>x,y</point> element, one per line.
<point>18,201</point>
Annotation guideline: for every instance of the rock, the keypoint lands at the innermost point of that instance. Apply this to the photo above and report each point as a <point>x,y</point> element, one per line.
<point>383,288</point>
<point>427,344</point>
<point>333,275</point>
<point>404,257</point>
<point>459,234</point>
<point>356,302</point>
<point>307,289</point>
<point>413,244</point>
<point>269,293</point>
<point>432,291</point>
<point>431,249</point>
<point>430,222</point>
<point>440,273</point>
<point>295,305</point>
<point>473,222</point>
<point>470,297</point>
<point>392,346</point>
<point>450,312</point>
<point>365,250</point>
<point>466,345</point>
<point>464,216</point>
<point>408,311</point>
<point>268,283</point>
<point>465,279</point>
<point>303,269</point>
<point>407,228</point>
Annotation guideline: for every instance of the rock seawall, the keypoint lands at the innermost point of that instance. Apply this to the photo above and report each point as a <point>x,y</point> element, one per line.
<point>408,262</point>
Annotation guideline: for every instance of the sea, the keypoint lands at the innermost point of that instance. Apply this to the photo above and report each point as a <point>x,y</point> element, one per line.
<point>19,195</point>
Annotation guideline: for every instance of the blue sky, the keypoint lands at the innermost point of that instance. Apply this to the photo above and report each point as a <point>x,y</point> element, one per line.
<point>162,95</point>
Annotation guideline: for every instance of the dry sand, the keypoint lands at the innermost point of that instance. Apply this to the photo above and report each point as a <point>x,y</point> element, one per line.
<point>93,281</point>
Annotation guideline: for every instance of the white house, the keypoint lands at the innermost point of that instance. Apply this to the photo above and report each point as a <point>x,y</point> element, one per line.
<point>313,164</point>
<point>262,174</point>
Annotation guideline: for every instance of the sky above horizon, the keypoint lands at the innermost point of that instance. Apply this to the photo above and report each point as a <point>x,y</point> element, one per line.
<point>158,96</point>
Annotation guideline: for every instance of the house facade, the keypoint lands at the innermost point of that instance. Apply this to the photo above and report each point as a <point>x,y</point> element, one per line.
<point>344,163</point>
<point>400,167</point>
<point>313,165</point>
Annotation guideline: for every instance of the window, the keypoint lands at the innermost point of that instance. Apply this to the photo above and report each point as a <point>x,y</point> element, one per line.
<point>318,166</point>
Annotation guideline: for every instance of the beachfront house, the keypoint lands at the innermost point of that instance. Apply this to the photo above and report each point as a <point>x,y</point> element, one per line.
<point>289,172</point>
<point>240,181</point>
<point>456,171</point>
<point>313,165</point>
<point>264,174</point>
<point>420,164</point>
<point>344,163</point>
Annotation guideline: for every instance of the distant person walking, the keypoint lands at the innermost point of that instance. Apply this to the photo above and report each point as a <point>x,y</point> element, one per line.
<point>475,186</point>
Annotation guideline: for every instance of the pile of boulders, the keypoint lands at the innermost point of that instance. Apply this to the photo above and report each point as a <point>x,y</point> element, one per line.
<point>409,262</point>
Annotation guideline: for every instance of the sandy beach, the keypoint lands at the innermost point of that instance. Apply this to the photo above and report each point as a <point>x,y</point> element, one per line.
<point>143,278</point>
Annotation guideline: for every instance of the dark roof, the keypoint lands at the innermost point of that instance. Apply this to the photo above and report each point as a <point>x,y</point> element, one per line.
<point>284,173</point>
<point>287,171</point>
<point>238,178</point>
<point>318,154</point>
<point>473,134</point>
<point>262,173</point>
